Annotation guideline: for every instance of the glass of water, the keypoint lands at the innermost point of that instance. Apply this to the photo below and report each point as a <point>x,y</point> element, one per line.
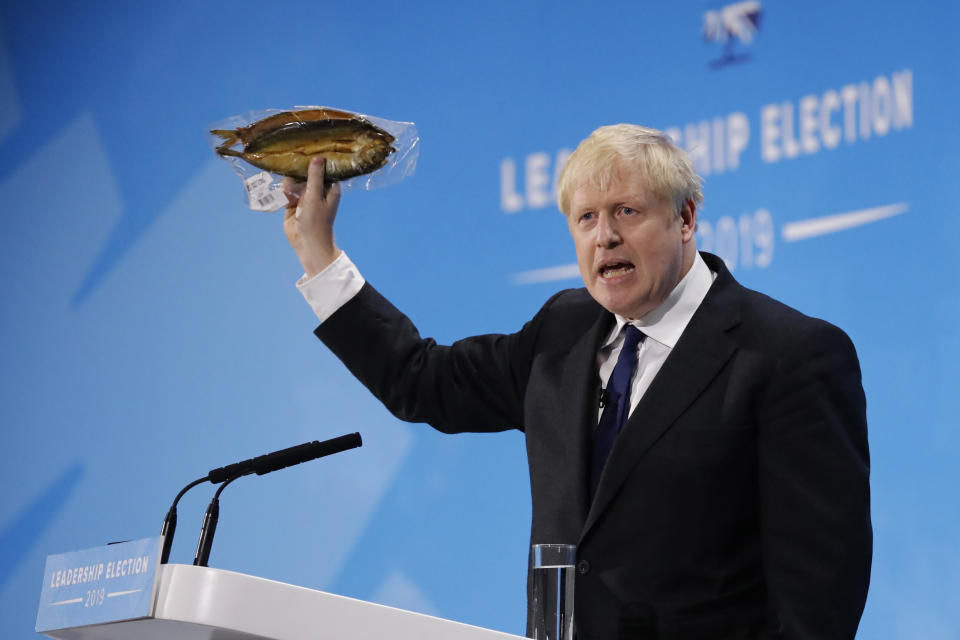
<point>553,574</point>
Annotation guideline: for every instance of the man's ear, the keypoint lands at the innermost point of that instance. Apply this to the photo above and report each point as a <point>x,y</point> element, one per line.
<point>688,219</point>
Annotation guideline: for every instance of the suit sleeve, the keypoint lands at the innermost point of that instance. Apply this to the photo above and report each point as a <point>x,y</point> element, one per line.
<point>476,384</point>
<point>814,489</point>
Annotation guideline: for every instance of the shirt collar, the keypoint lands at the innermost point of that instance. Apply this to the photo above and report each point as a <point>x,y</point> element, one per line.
<point>666,323</point>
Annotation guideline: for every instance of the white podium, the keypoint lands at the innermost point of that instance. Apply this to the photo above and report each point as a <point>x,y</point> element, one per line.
<point>199,603</point>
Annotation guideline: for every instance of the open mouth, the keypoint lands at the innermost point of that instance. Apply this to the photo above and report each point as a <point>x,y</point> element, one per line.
<point>615,270</point>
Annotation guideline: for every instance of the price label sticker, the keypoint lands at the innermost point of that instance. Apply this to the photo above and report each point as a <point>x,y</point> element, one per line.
<point>260,195</point>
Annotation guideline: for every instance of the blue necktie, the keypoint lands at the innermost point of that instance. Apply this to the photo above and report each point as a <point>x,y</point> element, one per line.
<point>616,408</point>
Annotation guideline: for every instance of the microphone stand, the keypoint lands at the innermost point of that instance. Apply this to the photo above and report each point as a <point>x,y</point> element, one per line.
<point>209,528</point>
<point>170,521</point>
<point>260,465</point>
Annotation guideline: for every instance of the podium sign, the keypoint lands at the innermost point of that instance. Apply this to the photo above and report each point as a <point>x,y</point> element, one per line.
<point>199,603</point>
<point>102,584</point>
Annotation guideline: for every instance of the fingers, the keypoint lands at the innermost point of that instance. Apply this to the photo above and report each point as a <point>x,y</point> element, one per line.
<point>320,200</point>
<point>315,173</point>
<point>314,188</point>
<point>309,218</point>
<point>293,190</point>
<point>332,196</point>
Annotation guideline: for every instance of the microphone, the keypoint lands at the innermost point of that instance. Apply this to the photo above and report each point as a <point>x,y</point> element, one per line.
<point>285,458</point>
<point>259,465</point>
<point>262,465</point>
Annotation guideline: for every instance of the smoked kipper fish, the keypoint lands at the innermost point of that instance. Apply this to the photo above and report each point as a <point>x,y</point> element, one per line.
<point>284,143</point>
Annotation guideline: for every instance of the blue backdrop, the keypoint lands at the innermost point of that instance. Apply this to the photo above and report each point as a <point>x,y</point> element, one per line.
<point>150,328</point>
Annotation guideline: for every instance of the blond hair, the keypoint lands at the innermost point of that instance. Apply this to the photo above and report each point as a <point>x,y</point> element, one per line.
<point>668,170</point>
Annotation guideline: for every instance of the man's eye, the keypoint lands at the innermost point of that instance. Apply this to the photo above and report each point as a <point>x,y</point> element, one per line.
<point>587,217</point>
<point>627,211</point>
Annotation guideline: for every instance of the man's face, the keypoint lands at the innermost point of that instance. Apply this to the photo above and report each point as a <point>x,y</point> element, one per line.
<point>632,248</point>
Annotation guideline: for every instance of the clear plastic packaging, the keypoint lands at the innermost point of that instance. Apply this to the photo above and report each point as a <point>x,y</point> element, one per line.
<point>230,137</point>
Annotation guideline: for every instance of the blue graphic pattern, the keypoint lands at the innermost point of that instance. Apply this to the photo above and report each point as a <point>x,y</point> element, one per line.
<point>151,330</point>
<point>19,537</point>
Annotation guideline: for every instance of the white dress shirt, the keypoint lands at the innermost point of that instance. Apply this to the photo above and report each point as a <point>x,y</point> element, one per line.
<point>662,326</point>
<point>331,288</point>
<point>341,280</point>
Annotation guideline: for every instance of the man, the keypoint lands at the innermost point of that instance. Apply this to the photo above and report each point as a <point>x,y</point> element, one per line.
<point>722,490</point>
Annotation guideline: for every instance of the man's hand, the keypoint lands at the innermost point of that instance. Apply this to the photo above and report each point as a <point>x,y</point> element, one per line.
<point>308,220</point>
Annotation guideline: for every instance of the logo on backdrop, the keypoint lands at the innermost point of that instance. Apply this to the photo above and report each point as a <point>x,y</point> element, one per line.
<point>735,23</point>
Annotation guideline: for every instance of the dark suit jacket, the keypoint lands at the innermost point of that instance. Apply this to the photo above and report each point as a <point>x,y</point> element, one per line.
<point>735,503</point>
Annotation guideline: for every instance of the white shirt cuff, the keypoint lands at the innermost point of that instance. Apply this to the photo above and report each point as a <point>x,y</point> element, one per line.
<point>332,288</point>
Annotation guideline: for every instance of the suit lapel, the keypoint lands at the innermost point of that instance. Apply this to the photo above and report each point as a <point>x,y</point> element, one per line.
<point>580,388</point>
<point>699,355</point>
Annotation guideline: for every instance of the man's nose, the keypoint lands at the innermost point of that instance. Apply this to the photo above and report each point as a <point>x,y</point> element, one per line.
<point>608,235</point>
